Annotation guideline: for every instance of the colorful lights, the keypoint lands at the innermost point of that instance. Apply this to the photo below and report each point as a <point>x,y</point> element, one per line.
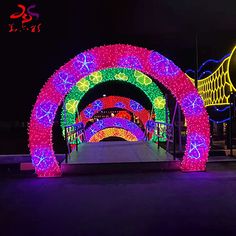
<point>142,78</point>
<point>83,85</point>
<point>121,76</point>
<point>131,62</point>
<point>71,106</point>
<point>193,104</point>
<point>97,105</point>
<point>135,106</point>
<point>113,132</point>
<point>101,58</point>
<point>163,66</point>
<point>215,89</point>
<point>63,82</point>
<point>111,102</point>
<point>159,103</point>
<point>85,63</point>
<point>117,123</point>
<point>127,75</point>
<point>197,145</point>
<point>45,113</point>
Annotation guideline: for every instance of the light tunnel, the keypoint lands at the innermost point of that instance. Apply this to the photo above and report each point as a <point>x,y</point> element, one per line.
<point>114,123</point>
<point>114,102</point>
<point>117,56</point>
<point>113,132</point>
<point>134,77</point>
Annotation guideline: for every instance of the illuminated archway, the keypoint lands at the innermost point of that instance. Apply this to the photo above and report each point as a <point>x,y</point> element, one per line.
<point>134,77</point>
<point>112,56</point>
<point>114,102</point>
<point>113,132</point>
<point>117,123</point>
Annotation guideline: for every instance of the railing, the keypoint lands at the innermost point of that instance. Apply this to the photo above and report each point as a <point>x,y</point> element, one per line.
<point>164,132</point>
<point>74,135</point>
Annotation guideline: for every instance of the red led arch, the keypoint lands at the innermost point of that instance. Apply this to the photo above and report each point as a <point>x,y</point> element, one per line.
<point>112,56</point>
<point>119,102</point>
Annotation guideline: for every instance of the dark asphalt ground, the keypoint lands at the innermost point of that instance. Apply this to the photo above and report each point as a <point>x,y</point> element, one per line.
<point>162,203</point>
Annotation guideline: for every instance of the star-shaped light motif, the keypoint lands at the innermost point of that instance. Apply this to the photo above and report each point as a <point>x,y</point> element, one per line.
<point>117,124</point>
<point>193,104</point>
<point>101,124</point>
<point>97,105</point>
<point>85,63</point>
<point>120,105</point>
<point>92,131</point>
<point>45,113</point>
<point>42,158</point>
<point>64,82</point>
<point>130,62</point>
<point>163,66</point>
<point>135,106</point>
<point>88,112</point>
<point>197,143</point>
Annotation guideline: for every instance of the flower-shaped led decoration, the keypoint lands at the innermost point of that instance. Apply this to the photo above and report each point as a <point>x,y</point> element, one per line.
<point>197,146</point>
<point>150,125</point>
<point>163,66</point>
<point>63,82</point>
<point>117,124</point>
<point>96,77</point>
<point>85,63</point>
<point>120,105</point>
<point>92,131</point>
<point>83,85</point>
<point>71,106</point>
<point>135,106</point>
<point>45,113</point>
<point>193,104</point>
<point>159,102</point>
<point>142,78</point>
<point>121,76</point>
<point>130,62</point>
<point>42,158</point>
<point>101,124</point>
<point>88,112</point>
<point>97,105</point>
<point>131,125</point>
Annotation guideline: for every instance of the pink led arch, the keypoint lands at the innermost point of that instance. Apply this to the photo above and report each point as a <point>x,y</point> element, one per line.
<point>112,56</point>
<point>111,102</point>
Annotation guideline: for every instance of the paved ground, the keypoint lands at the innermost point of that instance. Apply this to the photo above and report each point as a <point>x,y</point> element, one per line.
<point>163,203</point>
<point>119,152</point>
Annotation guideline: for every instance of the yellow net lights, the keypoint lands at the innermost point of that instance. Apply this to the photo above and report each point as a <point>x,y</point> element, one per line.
<point>216,88</point>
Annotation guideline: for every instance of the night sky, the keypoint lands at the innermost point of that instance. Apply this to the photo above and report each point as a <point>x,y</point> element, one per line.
<point>70,27</point>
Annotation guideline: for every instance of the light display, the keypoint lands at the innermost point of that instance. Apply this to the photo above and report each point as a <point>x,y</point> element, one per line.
<point>133,77</point>
<point>112,56</point>
<point>114,122</point>
<point>111,102</point>
<point>113,132</point>
<point>216,88</point>
<point>45,113</point>
<point>193,104</point>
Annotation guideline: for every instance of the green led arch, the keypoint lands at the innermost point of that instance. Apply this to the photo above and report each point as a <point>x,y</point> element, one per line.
<point>134,77</point>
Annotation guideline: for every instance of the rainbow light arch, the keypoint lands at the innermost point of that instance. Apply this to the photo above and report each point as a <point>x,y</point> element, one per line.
<point>119,55</point>
<point>114,102</point>
<point>134,77</point>
<point>114,123</point>
<point>116,132</point>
